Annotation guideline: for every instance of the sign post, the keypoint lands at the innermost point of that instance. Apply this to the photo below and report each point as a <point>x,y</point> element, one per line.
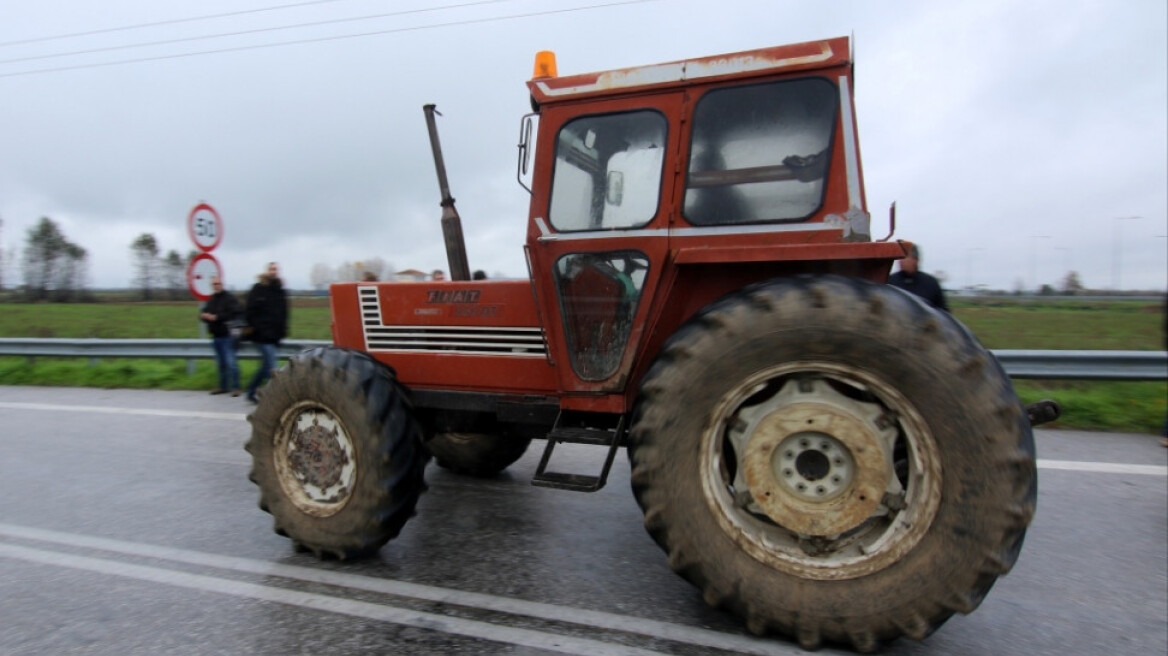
<point>205,227</point>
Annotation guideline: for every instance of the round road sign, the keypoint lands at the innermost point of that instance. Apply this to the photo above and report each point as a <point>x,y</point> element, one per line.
<point>200,271</point>
<point>205,227</point>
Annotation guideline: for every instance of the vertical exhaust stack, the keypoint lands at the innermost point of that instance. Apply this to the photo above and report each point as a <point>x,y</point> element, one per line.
<point>451,224</point>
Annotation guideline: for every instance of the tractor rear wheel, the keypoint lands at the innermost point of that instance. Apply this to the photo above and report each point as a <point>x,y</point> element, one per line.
<point>833,460</point>
<point>336,452</point>
<point>477,454</point>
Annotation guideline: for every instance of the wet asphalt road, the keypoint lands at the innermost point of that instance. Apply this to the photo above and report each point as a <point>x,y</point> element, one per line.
<point>128,526</point>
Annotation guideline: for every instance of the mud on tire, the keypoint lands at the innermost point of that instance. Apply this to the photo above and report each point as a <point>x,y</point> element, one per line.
<point>336,453</point>
<point>833,460</point>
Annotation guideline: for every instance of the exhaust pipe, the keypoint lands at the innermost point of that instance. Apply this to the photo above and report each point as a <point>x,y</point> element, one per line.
<point>451,224</point>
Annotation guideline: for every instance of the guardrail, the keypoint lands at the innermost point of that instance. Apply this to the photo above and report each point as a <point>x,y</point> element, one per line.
<point>1068,365</point>
<point>162,349</point>
<point>185,349</point>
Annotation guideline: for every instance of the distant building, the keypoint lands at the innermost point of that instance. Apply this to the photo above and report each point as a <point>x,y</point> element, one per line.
<point>411,275</point>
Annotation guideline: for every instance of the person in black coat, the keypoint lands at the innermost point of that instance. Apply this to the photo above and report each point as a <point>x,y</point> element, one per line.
<point>218,313</point>
<point>267,320</point>
<point>911,279</point>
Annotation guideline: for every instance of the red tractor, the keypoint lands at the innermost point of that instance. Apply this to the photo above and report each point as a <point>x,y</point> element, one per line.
<point>821,454</point>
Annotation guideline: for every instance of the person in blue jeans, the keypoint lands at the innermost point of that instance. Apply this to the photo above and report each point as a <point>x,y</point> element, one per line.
<point>267,319</point>
<point>218,313</point>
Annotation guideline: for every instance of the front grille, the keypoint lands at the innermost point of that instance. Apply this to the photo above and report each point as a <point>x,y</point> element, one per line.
<point>470,340</point>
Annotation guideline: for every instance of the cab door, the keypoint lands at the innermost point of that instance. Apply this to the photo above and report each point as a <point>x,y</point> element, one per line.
<point>598,232</point>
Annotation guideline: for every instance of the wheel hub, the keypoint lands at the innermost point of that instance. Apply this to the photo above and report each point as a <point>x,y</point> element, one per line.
<point>315,460</point>
<point>814,460</point>
<point>813,466</point>
<point>315,456</point>
<point>821,470</point>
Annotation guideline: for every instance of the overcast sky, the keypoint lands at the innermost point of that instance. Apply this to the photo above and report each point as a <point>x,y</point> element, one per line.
<point>1012,135</point>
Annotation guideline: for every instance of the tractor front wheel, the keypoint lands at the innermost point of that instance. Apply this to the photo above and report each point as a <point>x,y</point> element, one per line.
<point>833,460</point>
<point>336,453</point>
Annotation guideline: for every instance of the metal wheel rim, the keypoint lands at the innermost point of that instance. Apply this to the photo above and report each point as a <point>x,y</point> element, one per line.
<point>876,543</point>
<point>315,459</point>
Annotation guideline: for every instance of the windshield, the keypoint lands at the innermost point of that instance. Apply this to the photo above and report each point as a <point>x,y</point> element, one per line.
<point>608,171</point>
<point>760,152</point>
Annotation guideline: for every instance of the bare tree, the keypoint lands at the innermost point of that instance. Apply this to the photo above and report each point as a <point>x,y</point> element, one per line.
<point>376,266</point>
<point>43,249</point>
<point>54,268</point>
<point>353,271</point>
<point>321,276</point>
<point>71,274</point>
<point>174,273</point>
<point>1071,283</point>
<point>145,253</point>
<point>347,272</point>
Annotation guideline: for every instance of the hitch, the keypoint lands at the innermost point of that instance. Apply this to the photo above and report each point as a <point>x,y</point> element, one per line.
<point>1043,411</point>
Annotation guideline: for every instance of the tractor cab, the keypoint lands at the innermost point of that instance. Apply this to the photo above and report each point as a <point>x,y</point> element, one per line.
<point>658,189</point>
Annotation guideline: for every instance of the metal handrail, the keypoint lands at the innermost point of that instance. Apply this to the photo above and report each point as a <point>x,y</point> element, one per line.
<point>1068,365</point>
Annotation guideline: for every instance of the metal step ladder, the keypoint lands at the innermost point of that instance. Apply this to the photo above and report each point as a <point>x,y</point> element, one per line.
<point>610,437</point>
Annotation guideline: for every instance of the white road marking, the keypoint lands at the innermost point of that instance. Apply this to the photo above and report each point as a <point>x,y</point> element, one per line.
<point>187,414</point>
<point>550,612</point>
<point>1065,465</point>
<point>1104,467</point>
<point>441,623</point>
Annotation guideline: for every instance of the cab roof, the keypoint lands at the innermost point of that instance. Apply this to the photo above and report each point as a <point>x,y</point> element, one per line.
<point>811,55</point>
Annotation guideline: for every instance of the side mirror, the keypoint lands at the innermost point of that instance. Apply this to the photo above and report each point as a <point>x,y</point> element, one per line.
<point>525,148</point>
<point>615,188</point>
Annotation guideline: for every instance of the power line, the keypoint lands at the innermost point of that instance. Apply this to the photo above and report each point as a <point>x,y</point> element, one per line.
<point>492,19</point>
<point>258,30</point>
<point>174,21</point>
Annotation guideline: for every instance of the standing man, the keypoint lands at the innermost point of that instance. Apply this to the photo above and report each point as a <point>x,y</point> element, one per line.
<point>911,279</point>
<point>267,316</point>
<point>218,313</point>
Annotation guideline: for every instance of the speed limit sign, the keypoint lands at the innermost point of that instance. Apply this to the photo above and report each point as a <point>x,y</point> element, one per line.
<point>205,227</point>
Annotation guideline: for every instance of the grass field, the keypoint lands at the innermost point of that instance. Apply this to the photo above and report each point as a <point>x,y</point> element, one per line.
<point>1064,324</point>
<point>998,323</point>
<point>166,320</point>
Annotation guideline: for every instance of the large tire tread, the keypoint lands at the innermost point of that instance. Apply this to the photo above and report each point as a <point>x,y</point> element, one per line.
<point>387,437</point>
<point>875,311</point>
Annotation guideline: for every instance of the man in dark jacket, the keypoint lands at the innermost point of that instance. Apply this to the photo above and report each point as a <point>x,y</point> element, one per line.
<point>267,318</point>
<point>218,313</point>
<point>911,279</point>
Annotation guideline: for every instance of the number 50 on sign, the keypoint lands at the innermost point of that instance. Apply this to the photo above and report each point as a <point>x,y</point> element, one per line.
<point>205,227</point>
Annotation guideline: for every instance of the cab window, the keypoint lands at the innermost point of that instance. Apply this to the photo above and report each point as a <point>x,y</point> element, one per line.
<point>760,152</point>
<point>607,171</point>
<point>599,293</point>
